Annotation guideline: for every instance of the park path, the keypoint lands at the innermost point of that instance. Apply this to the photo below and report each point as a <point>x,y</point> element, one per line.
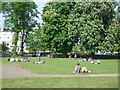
<point>15,71</point>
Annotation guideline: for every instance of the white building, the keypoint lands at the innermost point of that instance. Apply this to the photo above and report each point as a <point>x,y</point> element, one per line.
<point>7,38</point>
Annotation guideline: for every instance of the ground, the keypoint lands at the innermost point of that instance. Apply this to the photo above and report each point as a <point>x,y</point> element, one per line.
<point>32,74</point>
<point>15,71</point>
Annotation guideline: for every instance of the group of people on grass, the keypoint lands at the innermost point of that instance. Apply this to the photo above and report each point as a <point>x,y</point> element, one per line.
<point>91,60</point>
<point>18,60</point>
<point>79,69</point>
<point>25,60</point>
<point>70,56</point>
<point>86,59</point>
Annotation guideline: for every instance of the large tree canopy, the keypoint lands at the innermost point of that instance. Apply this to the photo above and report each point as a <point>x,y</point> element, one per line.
<point>78,24</point>
<point>111,42</point>
<point>88,22</point>
<point>55,15</point>
<point>20,17</point>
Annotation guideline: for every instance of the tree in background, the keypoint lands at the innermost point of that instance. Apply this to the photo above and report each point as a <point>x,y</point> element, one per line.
<point>88,23</point>
<point>78,24</point>
<point>35,39</point>
<point>55,15</point>
<point>20,17</point>
<point>3,47</point>
<point>112,39</point>
<point>118,12</point>
<point>14,41</point>
<point>84,26</point>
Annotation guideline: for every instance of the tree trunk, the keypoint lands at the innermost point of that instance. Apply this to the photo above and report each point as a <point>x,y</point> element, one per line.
<point>15,47</point>
<point>65,55</point>
<point>22,42</point>
<point>92,54</point>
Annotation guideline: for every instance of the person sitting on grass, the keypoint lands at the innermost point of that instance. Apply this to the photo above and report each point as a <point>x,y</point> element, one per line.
<point>70,56</point>
<point>90,59</point>
<point>75,56</point>
<point>26,60</point>
<point>79,69</point>
<point>8,59</point>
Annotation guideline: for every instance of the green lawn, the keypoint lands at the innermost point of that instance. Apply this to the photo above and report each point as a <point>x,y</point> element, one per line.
<point>65,66</point>
<point>71,82</point>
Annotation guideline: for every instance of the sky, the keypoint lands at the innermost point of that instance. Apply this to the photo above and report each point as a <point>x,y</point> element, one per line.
<point>39,3</point>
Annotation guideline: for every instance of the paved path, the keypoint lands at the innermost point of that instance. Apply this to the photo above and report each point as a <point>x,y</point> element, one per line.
<point>15,71</point>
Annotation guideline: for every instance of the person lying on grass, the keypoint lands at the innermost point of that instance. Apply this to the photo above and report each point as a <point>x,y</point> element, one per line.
<point>92,62</point>
<point>79,69</point>
<point>18,59</point>
<point>14,60</point>
<point>86,59</point>
<point>40,62</point>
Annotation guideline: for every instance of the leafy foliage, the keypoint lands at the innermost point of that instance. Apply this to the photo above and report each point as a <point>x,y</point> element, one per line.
<point>78,26</point>
<point>55,15</point>
<point>3,47</point>
<point>35,39</point>
<point>112,40</point>
<point>88,23</point>
<point>20,17</point>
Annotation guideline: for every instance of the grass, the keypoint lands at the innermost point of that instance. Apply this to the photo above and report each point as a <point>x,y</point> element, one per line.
<point>72,82</point>
<point>65,66</point>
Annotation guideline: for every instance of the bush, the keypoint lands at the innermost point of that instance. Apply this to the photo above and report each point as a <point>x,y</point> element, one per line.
<point>57,55</point>
<point>14,56</point>
<point>111,53</point>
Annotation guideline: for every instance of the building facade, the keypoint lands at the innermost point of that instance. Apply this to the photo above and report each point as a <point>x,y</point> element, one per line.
<point>7,38</point>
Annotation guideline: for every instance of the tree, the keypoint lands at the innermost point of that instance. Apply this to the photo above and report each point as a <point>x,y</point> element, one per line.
<point>35,40</point>
<point>14,41</point>
<point>88,23</point>
<point>20,17</point>
<point>3,47</point>
<point>76,25</point>
<point>118,12</point>
<point>112,39</point>
<point>55,15</point>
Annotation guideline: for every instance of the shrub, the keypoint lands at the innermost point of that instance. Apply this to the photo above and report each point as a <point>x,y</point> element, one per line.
<point>14,56</point>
